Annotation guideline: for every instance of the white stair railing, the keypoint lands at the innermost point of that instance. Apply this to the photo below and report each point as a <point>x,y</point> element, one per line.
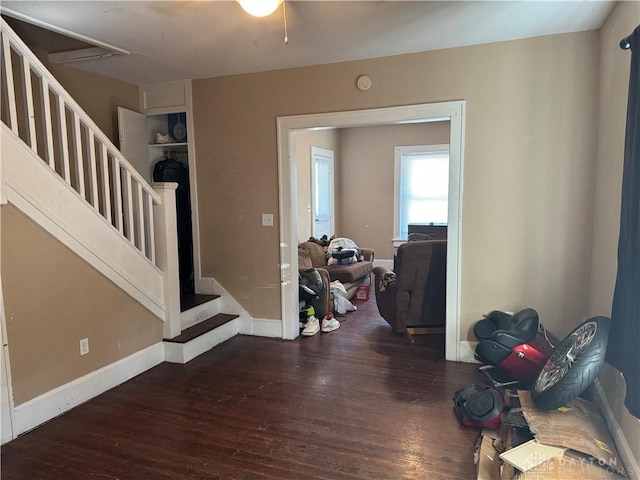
<point>39,111</point>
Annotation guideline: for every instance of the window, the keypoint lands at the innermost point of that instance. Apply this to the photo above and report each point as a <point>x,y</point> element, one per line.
<point>421,187</point>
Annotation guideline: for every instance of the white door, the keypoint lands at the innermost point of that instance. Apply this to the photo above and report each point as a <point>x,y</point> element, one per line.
<point>132,130</point>
<point>6,417</point>
<point>322,192</point>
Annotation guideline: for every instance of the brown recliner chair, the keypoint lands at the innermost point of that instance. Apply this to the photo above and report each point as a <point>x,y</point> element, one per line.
<point>414,296</point>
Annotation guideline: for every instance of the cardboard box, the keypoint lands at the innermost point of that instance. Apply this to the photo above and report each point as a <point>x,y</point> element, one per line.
<point>566,468</point>
<point>487,460</point>
<point>579,428</point>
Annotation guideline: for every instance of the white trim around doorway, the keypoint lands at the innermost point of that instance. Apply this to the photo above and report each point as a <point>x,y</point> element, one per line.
<point>317,152</point>
<point>454,112</point>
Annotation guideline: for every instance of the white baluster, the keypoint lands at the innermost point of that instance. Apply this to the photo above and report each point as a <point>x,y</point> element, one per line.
<point>93,170</point>
<point>77,144</point>
<point>106,186</point>
<point>32,140</point>
<point>152,234</point>
<point>64,144</point>
<point>141,222</point>
<point>46,122</point>
<point>11,93</point>
<point>117,195</point>
<point>128,208</point>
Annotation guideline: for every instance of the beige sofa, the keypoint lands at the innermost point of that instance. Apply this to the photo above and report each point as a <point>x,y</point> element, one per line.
<point>312,255</point>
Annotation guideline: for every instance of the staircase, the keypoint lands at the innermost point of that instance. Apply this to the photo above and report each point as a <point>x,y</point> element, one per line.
<point>59,169</point>
<point>203,326</point>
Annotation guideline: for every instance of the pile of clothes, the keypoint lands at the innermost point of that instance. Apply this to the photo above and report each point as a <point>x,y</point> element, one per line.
<point>309,287</point>
<point>341,303</point>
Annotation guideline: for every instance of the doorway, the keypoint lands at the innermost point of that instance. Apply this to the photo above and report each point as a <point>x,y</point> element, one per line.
<point>322,192</point>
<point>454,112</point>
<point>164,162</point>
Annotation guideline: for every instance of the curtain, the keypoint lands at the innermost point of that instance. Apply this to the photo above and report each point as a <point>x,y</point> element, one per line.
<point>623,351</point>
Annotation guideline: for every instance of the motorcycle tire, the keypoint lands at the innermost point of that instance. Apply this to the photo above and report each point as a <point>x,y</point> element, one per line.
<point>573,365</point>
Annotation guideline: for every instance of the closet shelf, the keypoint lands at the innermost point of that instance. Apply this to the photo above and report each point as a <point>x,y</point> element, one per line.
<point>167,145</point>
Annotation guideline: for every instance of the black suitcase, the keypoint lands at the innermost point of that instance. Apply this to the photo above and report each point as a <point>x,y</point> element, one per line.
<point>476,406</point>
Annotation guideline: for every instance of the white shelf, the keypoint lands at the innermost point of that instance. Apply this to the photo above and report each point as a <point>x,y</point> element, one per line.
<point>167,145</point>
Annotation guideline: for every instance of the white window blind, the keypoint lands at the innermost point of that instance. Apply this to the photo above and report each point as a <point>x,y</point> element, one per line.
<point>422,186</point>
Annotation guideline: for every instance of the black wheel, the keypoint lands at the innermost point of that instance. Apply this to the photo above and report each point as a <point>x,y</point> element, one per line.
<point>573,365</point>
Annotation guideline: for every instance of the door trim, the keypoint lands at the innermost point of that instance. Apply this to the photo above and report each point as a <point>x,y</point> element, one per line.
<point>177,97</point>
<point>322,152</point>
<point>454,112</point>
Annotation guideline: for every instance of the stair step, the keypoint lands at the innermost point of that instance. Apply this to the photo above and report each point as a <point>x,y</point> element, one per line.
<point>192,300</point>
<point>202,328</point>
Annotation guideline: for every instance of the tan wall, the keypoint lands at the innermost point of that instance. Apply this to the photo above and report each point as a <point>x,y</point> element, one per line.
<point>529,164</point>
<point>366,171</point>
<point>304,140</point>
<point>97,95</point>
<point>52,300</point>
<point>614,84</point>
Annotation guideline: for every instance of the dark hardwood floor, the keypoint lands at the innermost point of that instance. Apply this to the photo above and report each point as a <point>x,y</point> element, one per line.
<point>356,403</point>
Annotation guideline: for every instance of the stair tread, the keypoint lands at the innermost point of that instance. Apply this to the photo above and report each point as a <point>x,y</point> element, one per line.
<point>202,328</point>
<point>192,300</point>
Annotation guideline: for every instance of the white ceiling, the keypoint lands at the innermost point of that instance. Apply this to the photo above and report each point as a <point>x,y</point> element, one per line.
<point>171,40</point>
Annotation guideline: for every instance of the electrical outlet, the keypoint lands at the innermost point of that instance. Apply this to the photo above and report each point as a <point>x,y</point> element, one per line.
<point>267,219</point>
<point>84,346</point>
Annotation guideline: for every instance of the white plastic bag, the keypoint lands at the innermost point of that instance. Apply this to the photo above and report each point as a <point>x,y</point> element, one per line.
<point>341,304</point>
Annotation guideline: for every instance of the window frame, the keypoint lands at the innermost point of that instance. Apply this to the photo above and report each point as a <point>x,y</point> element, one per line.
<point>400,151</point>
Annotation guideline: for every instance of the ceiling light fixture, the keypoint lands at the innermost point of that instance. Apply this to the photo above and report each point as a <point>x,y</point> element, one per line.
<point>259,8</point>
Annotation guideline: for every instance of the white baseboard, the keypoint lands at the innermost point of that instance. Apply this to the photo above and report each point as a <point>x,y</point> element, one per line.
<point>228,304</point>
<point>263,327</point>
<point>55,402</point>
<point>622,446</point>
<point>466,352</point>
<point>185,352</point>
<point>260,327</point>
